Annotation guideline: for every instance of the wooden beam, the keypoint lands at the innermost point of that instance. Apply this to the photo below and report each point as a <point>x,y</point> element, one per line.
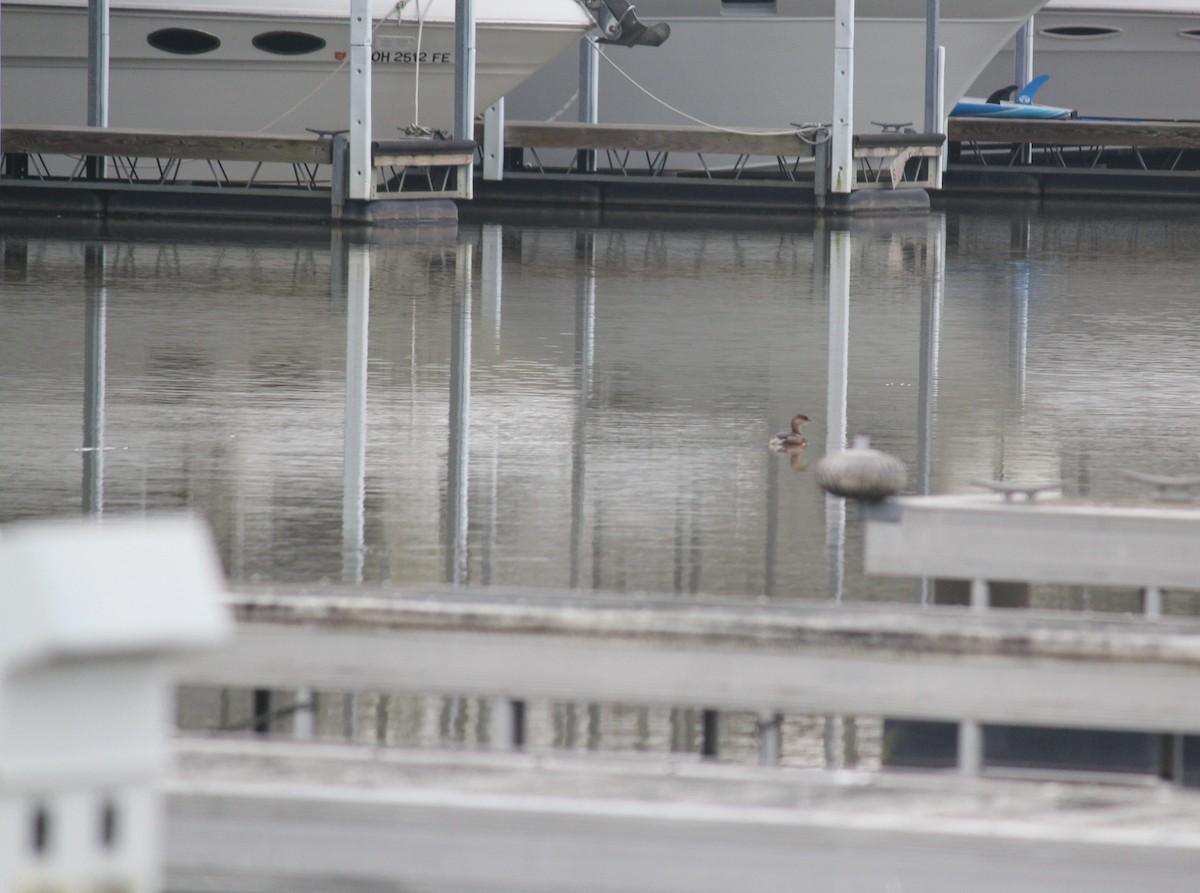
<point>117,142</point>
<point>1076,132</point>
<point>659,138</point>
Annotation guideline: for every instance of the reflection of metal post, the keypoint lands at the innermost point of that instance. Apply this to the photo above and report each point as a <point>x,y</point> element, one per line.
<point>338,277</point>
<point>492,278</point>
<point>771,558</point>
<point>842,175</point>
<point>492,284</point>
<point>840,244</point>
<point>460,417</point>
<point>932,299</point>
<point>94,352</point>
<point>362,170</point>
<point>354,474</point>
<point>1018,331</point>
<point>585,319</point>
<point>355,440</point>
<point>589,97</point>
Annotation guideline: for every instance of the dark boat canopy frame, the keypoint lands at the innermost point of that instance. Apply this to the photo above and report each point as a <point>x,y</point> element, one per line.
<point>621,26</point>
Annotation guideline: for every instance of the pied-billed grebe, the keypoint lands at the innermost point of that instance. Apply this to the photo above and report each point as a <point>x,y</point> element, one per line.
<point>794,438</point>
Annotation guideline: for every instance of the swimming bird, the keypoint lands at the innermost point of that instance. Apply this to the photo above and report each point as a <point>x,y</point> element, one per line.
<point>790,439</point>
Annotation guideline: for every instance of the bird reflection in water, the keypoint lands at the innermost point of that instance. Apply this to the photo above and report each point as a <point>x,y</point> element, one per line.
<point>792,442</point>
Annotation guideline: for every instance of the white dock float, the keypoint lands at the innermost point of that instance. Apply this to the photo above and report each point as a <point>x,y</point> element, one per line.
<point>1044,540</point>
<point>270,818</point>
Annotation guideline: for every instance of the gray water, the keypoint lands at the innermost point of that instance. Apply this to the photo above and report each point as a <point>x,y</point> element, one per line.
<point>556,405</point>
<point>623,383</point>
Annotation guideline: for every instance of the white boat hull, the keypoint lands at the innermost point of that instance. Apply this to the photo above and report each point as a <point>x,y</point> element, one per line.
<point>1145,68</point>
<point>769,69</point>
<point>238,87</point>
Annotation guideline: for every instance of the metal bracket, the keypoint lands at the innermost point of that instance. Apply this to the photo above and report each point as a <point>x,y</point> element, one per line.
<point>621,26</point>
<point>1011,489</point>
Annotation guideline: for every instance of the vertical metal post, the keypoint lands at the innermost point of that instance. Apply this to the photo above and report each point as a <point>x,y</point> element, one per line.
<point>362,171</point>
<point>1152,602</point>
<point>710,734</point>
<point>970,748</point>
<point>842,134</point>
<point>464,78</point>
<point>464,69</point>
<point>493,141</point>
<point>770,737</point>
<point>933,40</point>
<point>589,97</point>
<point>1024,73</point>
<point>940,162</point>
<point>1024,60</point>
<point>980,595</point>
<point>339,182</point>
<point>98,64</point>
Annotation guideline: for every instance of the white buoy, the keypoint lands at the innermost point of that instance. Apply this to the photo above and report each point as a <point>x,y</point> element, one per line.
<point>862,473</point>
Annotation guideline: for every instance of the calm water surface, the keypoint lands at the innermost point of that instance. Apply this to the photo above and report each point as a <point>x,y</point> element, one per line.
<point>559,406</point>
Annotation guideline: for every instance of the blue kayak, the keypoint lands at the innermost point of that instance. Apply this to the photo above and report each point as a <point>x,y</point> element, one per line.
<point>1002,104</point>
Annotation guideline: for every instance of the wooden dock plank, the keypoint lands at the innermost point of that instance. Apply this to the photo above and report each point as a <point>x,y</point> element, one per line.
<point>659,138</point>
<point>1077,132</point>
<point>118,142</point>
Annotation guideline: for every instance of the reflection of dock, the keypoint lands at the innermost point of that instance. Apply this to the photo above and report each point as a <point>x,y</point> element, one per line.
<point>1074,158</point>
<point>102,171</point>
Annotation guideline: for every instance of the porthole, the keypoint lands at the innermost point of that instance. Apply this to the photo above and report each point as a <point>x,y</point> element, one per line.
<point>288,43</point>
<point>1080,32</point>
<point>183,41</point>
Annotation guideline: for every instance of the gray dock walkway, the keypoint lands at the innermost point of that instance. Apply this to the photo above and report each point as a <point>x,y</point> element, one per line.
<point>269,818</point>
<point>263,816</point>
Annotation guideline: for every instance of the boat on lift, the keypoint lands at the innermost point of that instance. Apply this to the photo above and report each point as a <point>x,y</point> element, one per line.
<point>280,66</point>
<point>767,63</point>
<point>1113,58</point>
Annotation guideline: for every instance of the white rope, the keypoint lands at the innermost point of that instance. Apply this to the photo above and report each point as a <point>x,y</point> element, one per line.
<point>808,132</point>
<point>415,126</point>
<point>566,105</point>
<point>398,8</point>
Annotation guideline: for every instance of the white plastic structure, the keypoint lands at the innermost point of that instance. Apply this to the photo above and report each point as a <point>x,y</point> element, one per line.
<point>90,615</point>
